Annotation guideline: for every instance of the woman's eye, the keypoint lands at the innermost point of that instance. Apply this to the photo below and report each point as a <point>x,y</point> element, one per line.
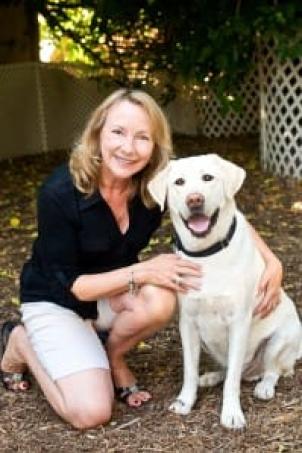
<point>180,181</point>
<point>207,177</point>
<point>144,137</point>
<point>117,131</point>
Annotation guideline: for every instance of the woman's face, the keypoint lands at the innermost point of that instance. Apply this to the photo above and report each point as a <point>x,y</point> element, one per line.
<point>126,141</point>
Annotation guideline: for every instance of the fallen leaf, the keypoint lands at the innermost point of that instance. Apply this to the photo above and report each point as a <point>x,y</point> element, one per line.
<point>142,346</point>
<point>14,222</point>
<point>15,301</point>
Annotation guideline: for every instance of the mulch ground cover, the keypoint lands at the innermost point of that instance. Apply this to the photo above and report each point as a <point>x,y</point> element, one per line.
<point>27,424</point>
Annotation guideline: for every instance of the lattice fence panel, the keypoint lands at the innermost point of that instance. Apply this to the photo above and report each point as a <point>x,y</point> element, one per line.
<point>214,124</point>
<point>281,114</point>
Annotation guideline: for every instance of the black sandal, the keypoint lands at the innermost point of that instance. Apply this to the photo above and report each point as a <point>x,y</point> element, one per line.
<point>122,393</point>
<point>10,380</point>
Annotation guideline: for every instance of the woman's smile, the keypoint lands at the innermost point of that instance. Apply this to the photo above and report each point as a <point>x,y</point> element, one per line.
<point>125,160</point>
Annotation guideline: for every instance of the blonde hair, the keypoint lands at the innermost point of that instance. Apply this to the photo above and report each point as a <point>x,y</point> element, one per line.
<point>85,159</point>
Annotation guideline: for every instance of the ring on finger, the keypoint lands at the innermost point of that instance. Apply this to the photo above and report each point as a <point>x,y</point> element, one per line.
<point>177,280</point>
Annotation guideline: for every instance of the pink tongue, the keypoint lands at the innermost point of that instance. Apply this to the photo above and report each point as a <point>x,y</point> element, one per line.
<point>199,223</point>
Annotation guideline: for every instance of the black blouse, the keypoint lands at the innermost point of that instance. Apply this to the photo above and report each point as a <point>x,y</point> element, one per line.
<point>79,235</point>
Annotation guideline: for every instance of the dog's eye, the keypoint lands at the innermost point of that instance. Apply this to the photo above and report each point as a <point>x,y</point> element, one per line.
<point>207,177</point>
<point>179,181</point>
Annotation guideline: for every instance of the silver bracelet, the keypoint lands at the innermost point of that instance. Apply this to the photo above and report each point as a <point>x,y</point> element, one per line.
<point>132,286</point>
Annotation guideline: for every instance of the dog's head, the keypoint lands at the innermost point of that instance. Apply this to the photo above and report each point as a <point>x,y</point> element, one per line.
<point>196,189</point>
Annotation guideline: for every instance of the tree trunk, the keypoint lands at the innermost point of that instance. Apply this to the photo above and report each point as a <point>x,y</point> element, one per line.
<point>19,33</point>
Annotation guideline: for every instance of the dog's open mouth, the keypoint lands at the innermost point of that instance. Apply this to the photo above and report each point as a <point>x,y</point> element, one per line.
<point>199,224</point>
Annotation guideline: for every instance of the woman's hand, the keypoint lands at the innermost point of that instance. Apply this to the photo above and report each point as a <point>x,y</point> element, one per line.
<point>169,271</point>
<point>269,287</point>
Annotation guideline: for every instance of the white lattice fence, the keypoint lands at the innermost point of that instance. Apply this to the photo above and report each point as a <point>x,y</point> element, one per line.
<point>281,113</point>
<point>214,124</point>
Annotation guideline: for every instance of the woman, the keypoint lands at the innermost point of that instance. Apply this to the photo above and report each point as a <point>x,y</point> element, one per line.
<point>94,217</point>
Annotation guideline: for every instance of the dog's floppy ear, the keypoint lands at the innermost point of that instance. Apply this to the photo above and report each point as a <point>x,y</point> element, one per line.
<point>233,176</point>
<point>158,186</point>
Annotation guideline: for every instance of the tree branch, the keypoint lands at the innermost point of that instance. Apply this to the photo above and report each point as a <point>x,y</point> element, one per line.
<point>238,7</point>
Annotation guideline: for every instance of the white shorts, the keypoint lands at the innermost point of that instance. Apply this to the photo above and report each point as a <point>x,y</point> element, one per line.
<point>63,341</point>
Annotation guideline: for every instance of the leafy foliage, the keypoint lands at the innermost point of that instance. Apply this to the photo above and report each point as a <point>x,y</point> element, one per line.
<point>143,41</point>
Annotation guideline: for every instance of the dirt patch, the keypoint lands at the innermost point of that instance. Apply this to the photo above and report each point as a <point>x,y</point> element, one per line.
<point>274,206</point>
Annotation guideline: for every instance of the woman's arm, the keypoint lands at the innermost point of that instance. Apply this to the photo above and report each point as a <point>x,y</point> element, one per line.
<point>166,270</point>
<point>96,286</point>
<point>270,283</point>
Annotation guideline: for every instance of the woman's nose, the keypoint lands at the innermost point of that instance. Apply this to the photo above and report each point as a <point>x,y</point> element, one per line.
<point>128,145</point>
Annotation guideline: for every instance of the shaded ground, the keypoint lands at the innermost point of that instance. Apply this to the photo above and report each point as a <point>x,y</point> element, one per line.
<point>27,424</point>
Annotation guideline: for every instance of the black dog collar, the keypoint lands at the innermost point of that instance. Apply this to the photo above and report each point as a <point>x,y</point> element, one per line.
<point>210,250</point>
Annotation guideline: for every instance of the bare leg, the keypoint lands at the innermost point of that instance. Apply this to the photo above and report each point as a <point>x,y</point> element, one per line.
<point>83,399</point>
<point>143,316</point>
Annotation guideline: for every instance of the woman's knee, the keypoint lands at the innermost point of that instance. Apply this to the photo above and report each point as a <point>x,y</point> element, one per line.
<point>159,304</point>
<point>89,415</point>
<point>154,307</point>
<point>88,398</point>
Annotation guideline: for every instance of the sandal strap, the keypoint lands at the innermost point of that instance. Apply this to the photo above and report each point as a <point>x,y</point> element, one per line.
<point>13,377</point>
<point>124,392</point>
<point>15,381</point>
<point>10,380</point>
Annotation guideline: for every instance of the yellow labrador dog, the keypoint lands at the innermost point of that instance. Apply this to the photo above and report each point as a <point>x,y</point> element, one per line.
<point>219,317</point>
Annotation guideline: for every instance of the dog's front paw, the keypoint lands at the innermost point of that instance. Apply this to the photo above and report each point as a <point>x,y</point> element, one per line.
<point>264,390</point>
<point>180,407</point>
<point>211,379</point>
<point>232,418</point>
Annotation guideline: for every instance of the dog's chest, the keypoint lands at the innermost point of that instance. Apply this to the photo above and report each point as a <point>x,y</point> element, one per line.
<point>213,313</point>
<point>220,295</point>
<point>214,308</point>
<point>228,283</point>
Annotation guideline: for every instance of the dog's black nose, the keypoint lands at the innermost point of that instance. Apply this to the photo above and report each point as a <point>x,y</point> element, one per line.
<point>195,200</point>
